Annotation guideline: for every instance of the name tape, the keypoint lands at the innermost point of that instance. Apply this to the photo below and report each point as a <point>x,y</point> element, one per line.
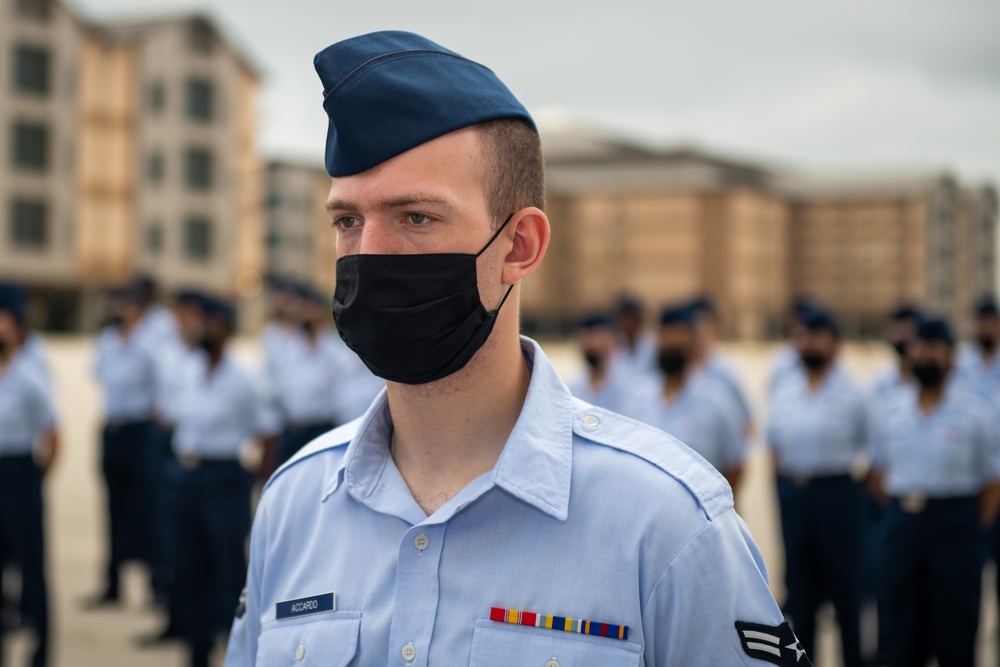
<point>313,604</point>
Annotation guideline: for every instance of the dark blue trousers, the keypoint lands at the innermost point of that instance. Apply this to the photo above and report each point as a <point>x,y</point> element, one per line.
<point>821,526</point>
<point>296,437</point>
<point>22,542</point>
<point>933,574</point>
<point>160,456</point>
<point>210,508</point>
<point>125,464</point>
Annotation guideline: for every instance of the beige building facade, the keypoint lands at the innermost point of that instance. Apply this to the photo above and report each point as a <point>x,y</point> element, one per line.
<point>667,225</point>
<point>149,161</point>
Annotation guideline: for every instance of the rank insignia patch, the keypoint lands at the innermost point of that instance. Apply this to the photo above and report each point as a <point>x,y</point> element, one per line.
<point>775,644</point>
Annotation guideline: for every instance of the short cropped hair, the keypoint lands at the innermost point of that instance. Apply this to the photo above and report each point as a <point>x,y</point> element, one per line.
<point>514,171</point>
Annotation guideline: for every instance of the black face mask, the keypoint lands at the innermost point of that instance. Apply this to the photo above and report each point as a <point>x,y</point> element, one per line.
<point>929,375</point>
<point>672,362</point>
<point>413,319</point>
<point>592,358</point>
<point>987,344</point>
<point>209,345</point>
<point>3,347</point>
<point>900,347</point>
<point>813,361</point>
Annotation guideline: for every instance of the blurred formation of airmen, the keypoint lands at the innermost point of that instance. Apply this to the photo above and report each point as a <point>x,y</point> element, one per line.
<point>687,402</point>
<point>28,446</point>
<point>936,461</point>
<point>222,409</point>
<point>599,384</point>
<point>179,412</point>
<point>126,369</point>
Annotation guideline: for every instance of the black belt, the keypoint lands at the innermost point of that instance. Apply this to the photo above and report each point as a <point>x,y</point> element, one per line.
<point>14,458</point>
<point>803,480</point>
<point>917,503</point>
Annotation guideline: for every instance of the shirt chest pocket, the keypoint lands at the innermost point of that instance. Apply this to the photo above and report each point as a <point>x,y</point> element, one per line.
<point>326,640</point>
<point>500,645</point>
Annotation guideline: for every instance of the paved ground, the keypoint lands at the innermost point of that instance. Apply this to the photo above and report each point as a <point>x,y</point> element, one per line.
<point>75,522</point>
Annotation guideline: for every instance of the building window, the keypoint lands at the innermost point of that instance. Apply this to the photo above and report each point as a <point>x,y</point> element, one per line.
<point>35,9</point>
<point>198,169</point>
<point>154,168</point>
<point>154,238</point>
<point>29,226</point>
<point>197,239</point>
<point>31,69</point>
<point>157,97</point>
<point>31,146</point>
<point>198,99</point>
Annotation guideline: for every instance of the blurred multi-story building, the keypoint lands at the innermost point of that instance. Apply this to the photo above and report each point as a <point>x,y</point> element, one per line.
<point>300,241</point>
<point>130,148</point>
<point>664,225</point>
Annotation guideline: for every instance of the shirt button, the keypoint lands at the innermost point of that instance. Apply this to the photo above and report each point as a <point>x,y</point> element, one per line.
<point>421,542</point>
<point>552,663</point>
<point>409,652</point>
<point>590,421</point>
<point>300,651</point>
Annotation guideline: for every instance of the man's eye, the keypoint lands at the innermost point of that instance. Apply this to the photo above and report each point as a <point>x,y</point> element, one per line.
<point>418,218</point>
<point>347,222</point>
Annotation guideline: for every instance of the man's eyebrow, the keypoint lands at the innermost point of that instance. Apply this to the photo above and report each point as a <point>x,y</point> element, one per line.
<point>394,202</point>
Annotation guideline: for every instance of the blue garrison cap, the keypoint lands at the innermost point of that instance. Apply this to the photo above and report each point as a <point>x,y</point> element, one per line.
<point>906,313</point>
<point>821,320</point>
<point>703,305</point>
<point>14,300</point>
<point>214,307</point>
<point>986,306</point>
<point>387,92</point>
<point>595,320</point>
<point>678,316</point>
<point>936,329</point>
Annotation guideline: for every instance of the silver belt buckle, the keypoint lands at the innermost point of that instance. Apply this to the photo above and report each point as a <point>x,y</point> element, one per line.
<point>189,461</point>
<point>913,503</point>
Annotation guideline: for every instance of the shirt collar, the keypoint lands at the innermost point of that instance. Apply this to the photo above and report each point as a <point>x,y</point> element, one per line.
<point>535,465</point>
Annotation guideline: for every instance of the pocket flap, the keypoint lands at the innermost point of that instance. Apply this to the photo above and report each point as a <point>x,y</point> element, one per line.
<point>500,645</point>
<point>328,640</point>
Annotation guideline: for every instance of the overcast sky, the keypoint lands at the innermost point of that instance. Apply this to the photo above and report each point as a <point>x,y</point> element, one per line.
<point>887,85</point>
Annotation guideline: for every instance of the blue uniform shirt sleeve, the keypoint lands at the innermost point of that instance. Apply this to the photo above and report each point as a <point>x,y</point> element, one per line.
<point>717,580</point>
<point>246,629</point>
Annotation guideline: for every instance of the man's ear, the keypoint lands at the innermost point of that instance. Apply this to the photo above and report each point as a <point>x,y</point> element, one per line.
<point>531,239</point>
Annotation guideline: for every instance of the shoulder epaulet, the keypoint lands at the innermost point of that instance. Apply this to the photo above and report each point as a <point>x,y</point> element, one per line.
<point>658,448</point>
<point>338,437</point>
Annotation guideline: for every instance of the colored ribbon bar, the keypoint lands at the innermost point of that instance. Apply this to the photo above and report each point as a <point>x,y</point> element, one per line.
<point>531,619</point>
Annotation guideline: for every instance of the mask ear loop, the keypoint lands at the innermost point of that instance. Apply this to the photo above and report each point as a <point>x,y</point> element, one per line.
<point>485,247</point>
<point>494,237</point>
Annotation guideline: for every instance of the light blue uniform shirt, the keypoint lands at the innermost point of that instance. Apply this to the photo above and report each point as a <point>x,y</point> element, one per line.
<point>308,383</point>
<point>981,377</point>
<point>954,451</point>
<point>628,364</point>
<point>587,514</point>
<point>127,371</point>
<point>607,395</point>
<point>222,411</point>
<point>786,364</point>
<point>34,350</point>
<point>696,418</point>
<point>25,406</point>
<point>177,370</point>
<point>817,433</point>
<point>717,368</point>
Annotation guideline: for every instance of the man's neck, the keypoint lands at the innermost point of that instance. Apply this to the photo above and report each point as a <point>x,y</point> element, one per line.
<point>816,378</point>
<point>930,397</point>
<point>449,432</point>
<point>598,374</point>
<point>673,385</point>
